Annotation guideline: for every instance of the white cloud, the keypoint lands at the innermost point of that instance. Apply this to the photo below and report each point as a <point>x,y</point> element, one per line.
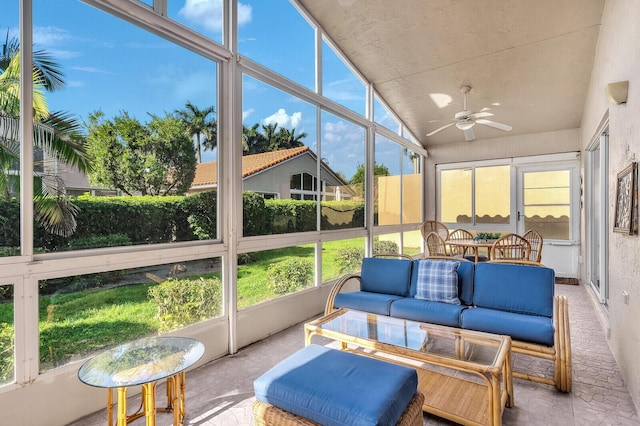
<point>344,90</point>
<point>49,36</point>
<point>282,119</point>
<point>92,70</point>
<point>246,114</point>
<point>208,13</point>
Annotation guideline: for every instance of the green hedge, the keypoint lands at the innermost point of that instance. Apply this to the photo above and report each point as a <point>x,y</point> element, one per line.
<point>149,220</point>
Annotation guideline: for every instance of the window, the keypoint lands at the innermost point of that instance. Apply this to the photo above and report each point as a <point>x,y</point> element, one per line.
<point>340,84</point>
<point>269,274</point>
<point>7,335</point>
<point>547,203</point>
<point>83,314</point>
<point>140,129</point>
<point>476,195</point>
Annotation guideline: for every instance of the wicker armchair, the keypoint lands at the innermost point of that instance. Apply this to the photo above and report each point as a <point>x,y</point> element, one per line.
<point>434,226</point>
<point>535,239</point>
<point>435,245</point>
<point>510,247</point>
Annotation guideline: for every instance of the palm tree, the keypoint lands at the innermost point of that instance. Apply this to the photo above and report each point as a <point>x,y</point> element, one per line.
<point>288,138</point>
<point>200,126</point>
<point>57,134</point>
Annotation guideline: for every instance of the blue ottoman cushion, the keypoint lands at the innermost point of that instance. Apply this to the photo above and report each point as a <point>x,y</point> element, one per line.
<point>333,387</point>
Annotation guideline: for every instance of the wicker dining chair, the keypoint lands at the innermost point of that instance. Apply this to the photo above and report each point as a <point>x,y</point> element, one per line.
<point>510,247</point>
<point>535,239</point>
<point>435,245</point>
<point>463,234</point>
<point>434,226</point>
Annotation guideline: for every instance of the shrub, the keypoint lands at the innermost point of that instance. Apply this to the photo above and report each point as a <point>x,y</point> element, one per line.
<point>245,258</point>
<point>380,247</point>
<point>6,353</point>
<point>349,259</point>
<point>99,241</point>
<point>201,216</point>
<point>182,302</point>
<point>289,275</point>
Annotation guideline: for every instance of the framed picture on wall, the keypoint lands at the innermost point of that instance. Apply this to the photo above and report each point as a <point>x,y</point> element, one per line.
<point>625,200</point>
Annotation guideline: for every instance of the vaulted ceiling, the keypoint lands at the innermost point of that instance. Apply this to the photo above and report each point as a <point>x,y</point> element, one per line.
<point>528,62</point>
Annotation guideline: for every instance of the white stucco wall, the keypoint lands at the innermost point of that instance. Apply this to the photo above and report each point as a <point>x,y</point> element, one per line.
<point>618,58</point>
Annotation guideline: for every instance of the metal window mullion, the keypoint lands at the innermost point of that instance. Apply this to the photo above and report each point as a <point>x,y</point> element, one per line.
<point>26,314</point>
<point>230,154</point>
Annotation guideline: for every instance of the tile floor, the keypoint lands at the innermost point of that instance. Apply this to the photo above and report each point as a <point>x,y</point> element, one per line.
<point>220,393</point>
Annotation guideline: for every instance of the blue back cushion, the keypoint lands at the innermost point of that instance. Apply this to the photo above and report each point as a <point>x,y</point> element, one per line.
<point>522,289</point>
<point>465,280</point>
<point>384,275</point>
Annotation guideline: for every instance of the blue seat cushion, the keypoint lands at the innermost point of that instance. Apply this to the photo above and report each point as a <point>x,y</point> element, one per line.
<point>527,328</point>
<point>515,288</point>
<point>427,311</point>
<point>376,303</point>
<point>465,280</point>
<point>332,387</point>
<point>385,275</point>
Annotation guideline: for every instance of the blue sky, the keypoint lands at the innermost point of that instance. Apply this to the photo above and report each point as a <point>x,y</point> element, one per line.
<point>114,66</point>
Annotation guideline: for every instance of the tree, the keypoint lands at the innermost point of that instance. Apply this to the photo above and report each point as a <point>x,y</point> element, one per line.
<point>157,158</point>
<point>269,139</point>
<point>253,142</point>
<point>357,181</point>
<point>200,126</point>
<point>288,139</point>
<point>57,134</point>
<point>378,170</point>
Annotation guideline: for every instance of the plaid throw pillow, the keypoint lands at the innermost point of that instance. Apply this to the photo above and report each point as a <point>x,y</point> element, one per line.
<point>438,281</point>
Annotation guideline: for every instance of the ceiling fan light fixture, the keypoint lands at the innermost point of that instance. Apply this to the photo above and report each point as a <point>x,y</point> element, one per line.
<point>465,125</point>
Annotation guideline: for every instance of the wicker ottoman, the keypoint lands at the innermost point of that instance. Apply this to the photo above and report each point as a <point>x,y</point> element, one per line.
<point>322,386</point>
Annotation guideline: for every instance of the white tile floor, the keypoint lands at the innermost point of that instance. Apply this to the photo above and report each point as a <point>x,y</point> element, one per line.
<point>220,393</point>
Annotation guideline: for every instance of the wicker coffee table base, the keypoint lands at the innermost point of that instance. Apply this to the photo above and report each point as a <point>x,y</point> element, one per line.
<point>269,415</point>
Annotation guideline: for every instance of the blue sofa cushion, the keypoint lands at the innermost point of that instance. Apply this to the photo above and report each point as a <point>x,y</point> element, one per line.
<point>528,328</point>
<point>376,303</point>
<point>465,280</point>
<point>515,288</point>
<point>427,311</point>
<point>438,281</point>
<point>332,387</point>
<point>385,275</point>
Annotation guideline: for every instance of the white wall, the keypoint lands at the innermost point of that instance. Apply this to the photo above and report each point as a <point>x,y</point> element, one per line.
<point>618,58</point>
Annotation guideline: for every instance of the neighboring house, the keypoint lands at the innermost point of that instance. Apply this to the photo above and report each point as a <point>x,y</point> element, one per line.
<point>288,173</point>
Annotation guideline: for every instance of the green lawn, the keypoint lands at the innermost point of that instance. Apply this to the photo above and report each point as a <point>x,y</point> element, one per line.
<point>75,324</point>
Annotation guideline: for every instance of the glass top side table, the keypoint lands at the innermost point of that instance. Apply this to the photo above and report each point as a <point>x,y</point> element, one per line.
<point>144,362</point>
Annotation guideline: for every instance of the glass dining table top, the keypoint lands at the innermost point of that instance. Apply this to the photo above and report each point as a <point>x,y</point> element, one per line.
<point>141,361</point>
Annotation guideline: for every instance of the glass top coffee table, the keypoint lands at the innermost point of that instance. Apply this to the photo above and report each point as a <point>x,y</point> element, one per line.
<point>465,375</point>
<point>144,362</point>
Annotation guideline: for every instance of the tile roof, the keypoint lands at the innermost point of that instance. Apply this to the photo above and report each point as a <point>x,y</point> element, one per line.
<point>207,173</point>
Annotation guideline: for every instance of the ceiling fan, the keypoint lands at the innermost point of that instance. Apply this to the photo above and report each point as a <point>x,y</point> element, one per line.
<point>465,120</point>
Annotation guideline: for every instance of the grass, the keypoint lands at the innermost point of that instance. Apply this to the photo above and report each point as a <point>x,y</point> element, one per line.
<point>77,324</point>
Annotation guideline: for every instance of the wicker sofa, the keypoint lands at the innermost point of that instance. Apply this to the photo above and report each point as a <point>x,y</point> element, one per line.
<point>501,298</point>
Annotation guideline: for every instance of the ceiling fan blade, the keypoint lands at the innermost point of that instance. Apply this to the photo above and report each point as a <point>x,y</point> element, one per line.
<point>481,114</point>
<point>500,126</point>
<point>439,129</point>
<point>469,135</point>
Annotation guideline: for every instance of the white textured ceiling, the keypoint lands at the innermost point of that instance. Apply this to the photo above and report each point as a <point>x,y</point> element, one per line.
<point>529,61</point>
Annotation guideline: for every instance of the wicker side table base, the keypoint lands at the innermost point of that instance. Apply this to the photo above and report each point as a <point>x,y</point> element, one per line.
<point>269,415</point>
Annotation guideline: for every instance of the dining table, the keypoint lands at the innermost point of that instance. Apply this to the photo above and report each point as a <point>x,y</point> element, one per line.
<point>473,246</point>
